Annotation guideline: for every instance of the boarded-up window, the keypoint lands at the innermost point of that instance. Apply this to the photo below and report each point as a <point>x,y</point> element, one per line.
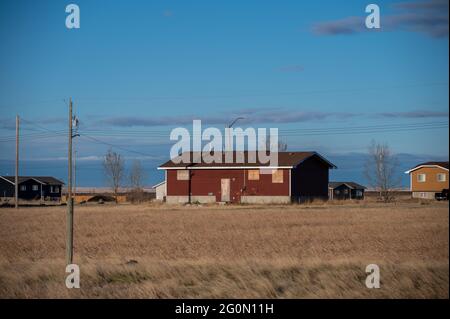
<point>253,175</point>
<point>183,175</point>
<point>277,176</point>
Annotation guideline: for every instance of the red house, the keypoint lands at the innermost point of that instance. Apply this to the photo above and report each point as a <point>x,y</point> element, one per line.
<point>299,176</point>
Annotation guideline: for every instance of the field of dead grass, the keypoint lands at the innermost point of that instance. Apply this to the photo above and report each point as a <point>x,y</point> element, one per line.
<point>294,251</point>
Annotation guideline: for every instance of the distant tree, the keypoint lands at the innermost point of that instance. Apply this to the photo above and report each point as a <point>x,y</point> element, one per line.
<point>137,175</point>
<point>114,168</point>
<point>282,146</point>
<point>381,170</point>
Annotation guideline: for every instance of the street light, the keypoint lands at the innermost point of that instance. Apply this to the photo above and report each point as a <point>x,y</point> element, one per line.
<point>229,126</point>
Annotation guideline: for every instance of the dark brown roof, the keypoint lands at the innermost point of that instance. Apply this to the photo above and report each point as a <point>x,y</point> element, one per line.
<point>351,185</point>
<point>285,159</point>
<point>41,179</point>
<point>441,164</point>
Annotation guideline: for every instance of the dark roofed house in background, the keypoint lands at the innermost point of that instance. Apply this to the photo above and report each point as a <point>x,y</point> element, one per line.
<point>345,190</point>
<point>45,188</point>
<point>298,176</point>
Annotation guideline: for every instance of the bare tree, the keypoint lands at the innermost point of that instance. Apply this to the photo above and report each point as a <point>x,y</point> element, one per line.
<point>137,175</point>
<point>136,178</point>
<point>113,165</point>
<point>380,170</point>
<point>282,146</point>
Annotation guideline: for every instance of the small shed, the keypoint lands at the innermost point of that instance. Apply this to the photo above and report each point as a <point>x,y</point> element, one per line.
<point>160,189</point>
<point>345,190</point>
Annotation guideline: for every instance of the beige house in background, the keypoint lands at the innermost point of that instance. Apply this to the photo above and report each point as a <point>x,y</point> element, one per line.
<point>428,178</point>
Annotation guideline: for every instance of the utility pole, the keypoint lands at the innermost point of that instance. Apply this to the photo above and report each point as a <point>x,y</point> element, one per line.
<point>75,173</point>
<point>69,219</point>
<point>16,180</point>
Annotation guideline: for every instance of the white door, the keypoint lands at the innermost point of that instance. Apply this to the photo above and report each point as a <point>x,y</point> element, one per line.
<point>225,189</point>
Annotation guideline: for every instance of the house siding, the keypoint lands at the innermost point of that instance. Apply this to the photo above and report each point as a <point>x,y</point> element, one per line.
<point>6,189</point>
<point>205,184</point>
<point>431,183</point>
<point>310,180</point>
<point>344,192</point>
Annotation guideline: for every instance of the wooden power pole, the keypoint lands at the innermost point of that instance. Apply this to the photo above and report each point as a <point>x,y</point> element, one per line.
<point>69,225</point>
<point>16,180</point>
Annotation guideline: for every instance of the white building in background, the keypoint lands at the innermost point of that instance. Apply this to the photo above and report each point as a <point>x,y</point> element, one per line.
<point>160,190</point>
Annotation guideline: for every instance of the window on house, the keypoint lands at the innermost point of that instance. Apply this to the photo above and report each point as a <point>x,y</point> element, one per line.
<point>54,189</point>
<point>337,191</point>
<point>35,187</point>
<point>421,178</point>
<point>441,177</point>
<point>23,187</point>
<point>183,175</point>
<point>277,176</point>
<point>359,193</point>
<point>253,175</point>
<point>345,191</point>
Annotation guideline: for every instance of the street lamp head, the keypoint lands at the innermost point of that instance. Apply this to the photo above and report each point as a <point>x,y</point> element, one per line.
<point>235,120</point>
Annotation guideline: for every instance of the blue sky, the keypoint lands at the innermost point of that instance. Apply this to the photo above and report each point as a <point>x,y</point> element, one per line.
<point>137,68</point>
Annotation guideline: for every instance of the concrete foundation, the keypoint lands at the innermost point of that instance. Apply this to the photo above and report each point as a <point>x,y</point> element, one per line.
<point>423,195</point>
<point>185,199</point>
<point>265,199</point>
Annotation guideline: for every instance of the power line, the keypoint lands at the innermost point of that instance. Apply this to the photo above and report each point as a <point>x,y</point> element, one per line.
<point>113,145</point>
<point>292,132</point>
<point>38,125</point>
<point>286,130</point>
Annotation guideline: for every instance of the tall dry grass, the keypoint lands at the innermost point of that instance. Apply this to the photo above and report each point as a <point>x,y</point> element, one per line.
<point>293,251</point>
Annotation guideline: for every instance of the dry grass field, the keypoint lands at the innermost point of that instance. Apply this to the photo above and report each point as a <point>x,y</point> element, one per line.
<point>295,251</point>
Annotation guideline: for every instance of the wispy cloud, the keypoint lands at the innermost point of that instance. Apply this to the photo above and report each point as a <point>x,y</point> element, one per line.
<point>7,124</point>
<point>130,121</point>
<point>10,123</point>
<point>428,5</point>
<point>277,115</point>
<point>426,16</point>
<point>52,120</point>
<point>349,25</point>
<point>415,114</point>
<point>253,115</point>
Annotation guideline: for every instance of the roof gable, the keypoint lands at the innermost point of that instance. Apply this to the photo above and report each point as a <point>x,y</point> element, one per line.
<point>47,180</point>
<point>351,185</point>
<point>443,165</point>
